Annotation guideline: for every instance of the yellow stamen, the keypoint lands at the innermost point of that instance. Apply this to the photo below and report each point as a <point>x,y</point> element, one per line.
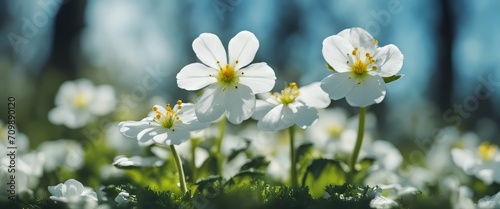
<point>80,101</point>
<point>359,67</point>
<point>289,94</point>
<point>227,75</point>
<point>487,151</point>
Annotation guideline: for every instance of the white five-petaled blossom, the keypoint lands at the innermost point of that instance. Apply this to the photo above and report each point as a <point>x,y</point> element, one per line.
<point>78,102</point>
<point>291,106</point>
<point>168,126</point>
<point>484,162</point>
<point>231,87</point>
<point>360,67</point>
<point>71,191</point>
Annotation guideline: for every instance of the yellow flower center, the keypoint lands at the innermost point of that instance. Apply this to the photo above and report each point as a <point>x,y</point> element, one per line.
<point>361,65</point>
<point>80,101</point>
<point>487,151</point>
<point>227,75</point>
<point>168,119</point>
<point>289,94</point>
<point>334,130</point>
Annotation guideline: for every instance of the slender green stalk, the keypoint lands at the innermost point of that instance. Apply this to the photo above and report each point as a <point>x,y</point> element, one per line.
<point>293,171</point>
<point>218,151</point>
<point>359,140</point>
<point>180,170</point>
<point>194,144</point>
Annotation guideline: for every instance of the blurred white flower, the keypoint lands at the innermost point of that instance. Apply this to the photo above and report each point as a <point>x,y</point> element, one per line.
<point>137,161</point>
<point>71,191</point>
<point>483,162</point>
<point>122,198</point>
<point>62,153</point>
<point>489,201</point>
<point>79,102</point>
<point>330,125</point>
<point>360,66</point>
<point>381,202</point>
<point>168,126</point>
<point>292,106</point>
<point>386,155</point>
<point>231,85</point>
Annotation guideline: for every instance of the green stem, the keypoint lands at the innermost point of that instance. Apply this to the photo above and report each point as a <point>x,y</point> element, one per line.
<point>293,171</point>
<point>359,140</point>
<point>194,144</point>
<point>218,151</point>
<point>180,171</point>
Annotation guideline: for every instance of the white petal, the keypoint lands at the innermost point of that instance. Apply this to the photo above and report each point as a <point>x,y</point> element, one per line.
<point>259,77</point>
<point>261,109</point>
<point>56,190</point>
<point>196,76</point>
<point>369,91</point>
<point>141,130</point>
<point>306,116</point>
<point>338,85</point>
<point>278,118</point>
<point>242,48</point>
<point>66,93</point>
<point>359,38</point>
<point>313,96</point>
<point>463,158</point>
<point>390,60</point>
<point>211,104</point>
<point>188,117</point>
<point>178,136</point>
<point>72,183</point>
<point>335,50</point>
<point>209,50</point>
<point>161,138</point>
<point>240,103</point>
<point>104,100</point>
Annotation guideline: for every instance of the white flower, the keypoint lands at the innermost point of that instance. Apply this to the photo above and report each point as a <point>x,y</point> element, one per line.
<point>168,126</point>
<point>137,161</point>
<point>484,162</point>
<point>78,102</point>
<point>230,85</point>
<point>71,191</point>
<point>62,152</point>
<point>122,198</point>
<point>292,106</point>
<point>360,66</point>
<point>489,201</point>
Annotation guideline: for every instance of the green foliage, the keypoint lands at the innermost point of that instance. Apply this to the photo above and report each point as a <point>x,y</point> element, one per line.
<point>323,172</point>
<point>392,78</point>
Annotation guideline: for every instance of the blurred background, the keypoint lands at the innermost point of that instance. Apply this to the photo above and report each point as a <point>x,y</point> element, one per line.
<point>451,71</point>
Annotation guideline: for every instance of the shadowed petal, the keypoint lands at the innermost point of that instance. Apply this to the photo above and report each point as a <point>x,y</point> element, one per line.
<point>338,85</point>
<point>211,104</point>
<point>240,103</point>
<point>369,91</point>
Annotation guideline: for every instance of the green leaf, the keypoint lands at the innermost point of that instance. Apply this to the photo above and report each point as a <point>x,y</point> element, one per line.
<point>257,163</point>
<point>245,177</point>
<point>236,152</point>
<point>392,78</point>
<point>303,150</point>
<point>323,172</point>
<point>209,167</point>
<point>330,67</point>
<point>209,181</point>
